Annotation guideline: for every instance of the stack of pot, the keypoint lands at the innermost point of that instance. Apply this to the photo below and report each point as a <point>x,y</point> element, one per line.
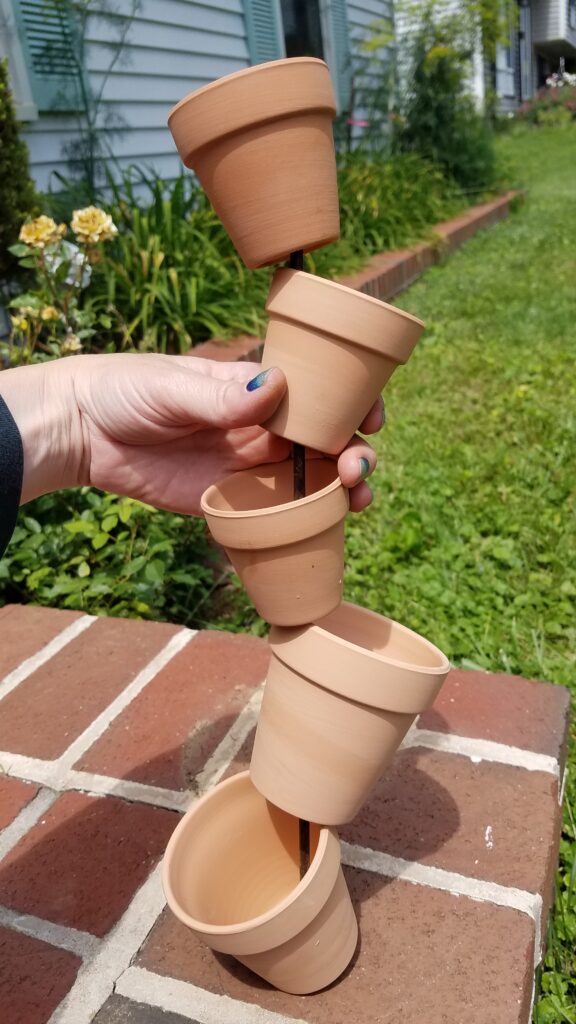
<point>344,683</point>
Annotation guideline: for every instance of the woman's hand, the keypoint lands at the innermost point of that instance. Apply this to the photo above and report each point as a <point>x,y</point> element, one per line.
<point>157,428</point>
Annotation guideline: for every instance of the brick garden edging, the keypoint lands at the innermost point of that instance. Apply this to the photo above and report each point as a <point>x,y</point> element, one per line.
<point>388,273</point>
<point>110,728</point>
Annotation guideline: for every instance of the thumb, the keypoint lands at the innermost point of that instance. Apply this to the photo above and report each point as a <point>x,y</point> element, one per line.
<point>238,403</point>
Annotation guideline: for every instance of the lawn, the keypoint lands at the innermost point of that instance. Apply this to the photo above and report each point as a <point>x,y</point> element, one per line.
<point>471,539</point>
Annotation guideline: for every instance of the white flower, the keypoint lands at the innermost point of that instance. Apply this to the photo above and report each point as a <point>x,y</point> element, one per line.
<point>80,270</point>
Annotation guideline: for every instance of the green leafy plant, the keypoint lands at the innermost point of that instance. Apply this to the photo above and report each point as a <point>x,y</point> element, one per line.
<point>436,117</point>
<point>109,556</point>
<point>554,106</point>
<point>18,198</point>
<point>173,278</point>
<point>53,317</point>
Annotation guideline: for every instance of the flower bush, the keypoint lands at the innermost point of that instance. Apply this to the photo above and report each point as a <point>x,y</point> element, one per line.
<point>55,317</point>
<point>553,106</point>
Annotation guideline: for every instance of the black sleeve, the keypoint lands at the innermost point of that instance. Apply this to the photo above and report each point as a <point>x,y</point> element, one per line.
<point>11,470</point>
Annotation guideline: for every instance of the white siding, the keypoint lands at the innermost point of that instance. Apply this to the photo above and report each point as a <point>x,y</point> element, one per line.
<point>551,26</point>
<point>365,19</point>
<point>172,47</point>
<point>547,20</point>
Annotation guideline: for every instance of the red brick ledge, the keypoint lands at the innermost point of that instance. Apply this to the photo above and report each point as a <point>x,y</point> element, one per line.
<point>388,273</point>
<point>450,863</point>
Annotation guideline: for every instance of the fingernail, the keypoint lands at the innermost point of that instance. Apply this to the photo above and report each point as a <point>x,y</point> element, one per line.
<point>364,468</point>
<point>258,380</point>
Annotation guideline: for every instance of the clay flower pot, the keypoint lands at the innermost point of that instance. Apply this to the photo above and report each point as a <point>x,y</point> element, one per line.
<point>339,698</point>
<point>231,874</point>
<point>261,143</point>
<point>288,553</point>
<point>338,348</point>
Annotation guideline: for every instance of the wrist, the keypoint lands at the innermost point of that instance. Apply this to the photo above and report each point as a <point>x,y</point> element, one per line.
<point>42,401</point>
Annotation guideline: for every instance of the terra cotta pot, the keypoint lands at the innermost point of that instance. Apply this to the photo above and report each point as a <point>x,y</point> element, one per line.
<point>339,698</point>
<point>338,348</point>
<point>288,553</point>
<point>260,141</point>
<point>231,874</point>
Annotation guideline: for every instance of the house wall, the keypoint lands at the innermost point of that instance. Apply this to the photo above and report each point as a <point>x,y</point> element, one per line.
<point>367,18</point>
<point>173,47</point>
<point>547,19</point>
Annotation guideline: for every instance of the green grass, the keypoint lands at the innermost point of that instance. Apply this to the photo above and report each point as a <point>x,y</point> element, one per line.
<point>471,539</point>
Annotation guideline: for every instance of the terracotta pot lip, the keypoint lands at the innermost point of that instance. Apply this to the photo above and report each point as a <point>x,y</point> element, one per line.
<point>226,80</point>
<point>321,633</point>
<point>306,280</point>
<point>256,513</point>
<point>254,922</point>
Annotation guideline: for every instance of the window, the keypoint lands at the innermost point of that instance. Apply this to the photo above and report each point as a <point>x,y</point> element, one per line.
<point>302,28</point>
<point>572,14</point>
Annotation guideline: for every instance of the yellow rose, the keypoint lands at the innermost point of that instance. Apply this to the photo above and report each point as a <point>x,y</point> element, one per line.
<point>70,345</point>
<point>29,311</point>
<point>41,231</point>
<point>50,313</point>
<point>92,225</point>
<point>19,323</point>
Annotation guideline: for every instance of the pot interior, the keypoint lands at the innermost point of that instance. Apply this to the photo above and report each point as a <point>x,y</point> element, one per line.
<point>238,858</point>
<point>268,486</point>
<point>381,636</point>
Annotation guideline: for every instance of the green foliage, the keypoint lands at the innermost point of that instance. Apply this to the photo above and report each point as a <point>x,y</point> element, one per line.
<point>550,108</point>
<point>173,278</point>
<point>17,196</point>
<point>109,556</point>
<point>54,317</point>
<point>471,539</point>
<point>436,118</point>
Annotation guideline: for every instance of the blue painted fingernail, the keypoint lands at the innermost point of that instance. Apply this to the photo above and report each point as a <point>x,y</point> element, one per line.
<point>364,468</point>
<point>258,381</point>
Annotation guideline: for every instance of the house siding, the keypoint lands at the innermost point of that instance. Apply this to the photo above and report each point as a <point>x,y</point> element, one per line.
<point>363,21</point>
<point>171,49</point>
<point>547,20</point>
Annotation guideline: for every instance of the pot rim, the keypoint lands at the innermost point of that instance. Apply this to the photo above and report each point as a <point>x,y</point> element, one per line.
<point>317,630</point>
<point>283,638</point>
<point>253,923</point>
<point>232,78</point>
<point>270,510</point>
<point>310,281</point>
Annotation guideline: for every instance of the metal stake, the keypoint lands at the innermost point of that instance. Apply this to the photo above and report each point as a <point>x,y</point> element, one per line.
<point>296,262</point>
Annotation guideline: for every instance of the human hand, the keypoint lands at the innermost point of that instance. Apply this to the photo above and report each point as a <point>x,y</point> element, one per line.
<point>157,428</point>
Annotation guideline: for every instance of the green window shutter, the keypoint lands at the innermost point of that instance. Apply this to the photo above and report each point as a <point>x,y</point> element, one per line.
<point>47,37</point>
<point>340,57</point>
<point>264,30</point>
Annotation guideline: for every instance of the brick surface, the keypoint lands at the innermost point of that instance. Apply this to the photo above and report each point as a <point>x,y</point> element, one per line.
<point>166,734</point>
<point>118,1010</point>
<point>507,709</point>
<point>46,712</point>
<point>14,795</point>
<point>82,863</point>
<point>444,810</point>
<point>34,978</point>
<point>424,956</point>
<point>25,630</point>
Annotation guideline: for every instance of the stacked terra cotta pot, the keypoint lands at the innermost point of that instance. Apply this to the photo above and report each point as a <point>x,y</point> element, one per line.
<point>254,867</point>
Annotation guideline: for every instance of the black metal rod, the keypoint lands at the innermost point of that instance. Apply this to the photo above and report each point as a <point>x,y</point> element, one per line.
<point>304,846</point>
<point>296,262</point>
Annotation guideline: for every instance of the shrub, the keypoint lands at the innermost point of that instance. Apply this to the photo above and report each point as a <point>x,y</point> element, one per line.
<point>436,118</point>
<point>54,317</point>
<point>554,106</point>
<point>17,196</point>
<point>110,556</point>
